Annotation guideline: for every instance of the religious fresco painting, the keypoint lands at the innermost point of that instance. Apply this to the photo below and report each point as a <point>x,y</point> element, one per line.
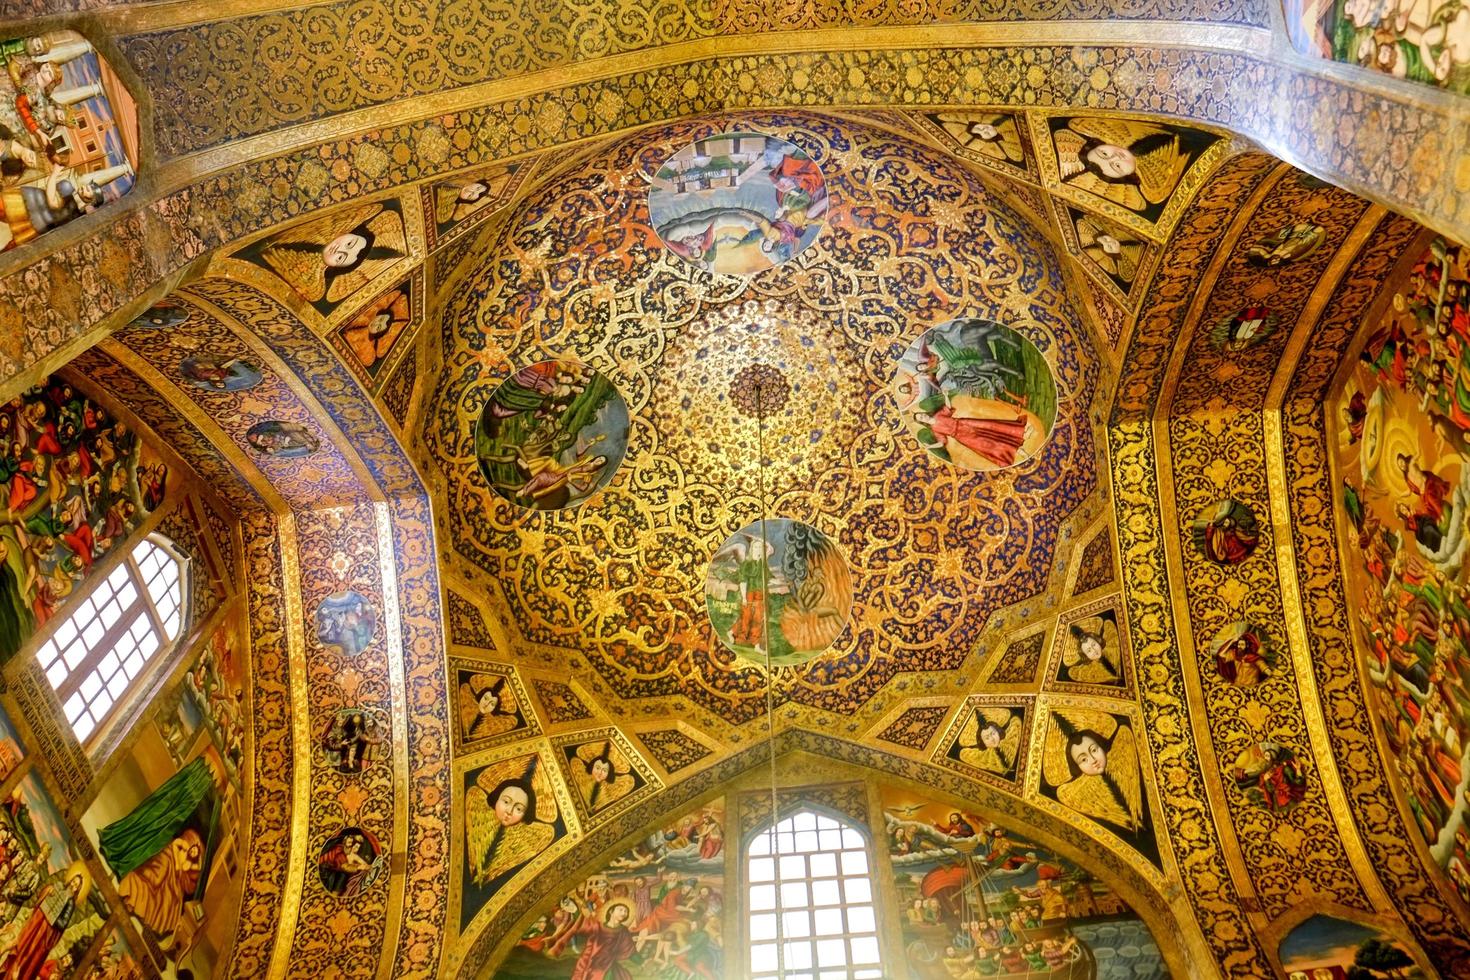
<point>994,139</point>
<point>551,435</point>
<point>778,590</point>
<point>370,336</point>
<point>604,771</point>
<point>989,742</point>
<point>346,620</point>
<point>328,259</point>
<point>1113,254</point>
<point>219,373</point>
<point>68,135</point>
<point>1269,775</point>
<point>1286,244</point>
<point>12,749</point>
<point>1245,328</point>
<point>976,394</point>
<point>51,911</point>
<point>1092,652</point>
<point>160,316</point>
<point>282,439</point>
<point>1127,169</point>
<point>74,483</point>
<point>458,203</point>
<point>167,820</point>
<point>1403,433</point>
<point>1243,654</point>
<point>1226,532</point>
<point>512,814</point>
<point>490,705</point>
<point>1091,764</point>
<point>738,202</point>
<point>978,900</point>
<point>353,739</point>
<point>1426,42</point>
<point>655,911</point>
<point>350,862</point>
<point>1325,947</point>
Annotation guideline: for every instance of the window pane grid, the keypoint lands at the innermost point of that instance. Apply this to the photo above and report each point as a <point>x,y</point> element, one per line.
<point>92,658</point>
<point>809,873</point>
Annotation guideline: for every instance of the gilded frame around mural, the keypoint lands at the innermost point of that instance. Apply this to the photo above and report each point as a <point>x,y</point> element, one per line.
<point>1189,182</point>
<point>532,727</point>
<point>941,754</point>
<point>566,748</point>
<point>1062,636</point>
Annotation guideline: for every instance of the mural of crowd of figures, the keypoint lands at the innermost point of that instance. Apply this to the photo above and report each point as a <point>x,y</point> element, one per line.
<point>1403,438</point>
<point>166,823</point>
<point>653,912</point>
<point>1328,948</point>
<point>68,134</point>
<point>74,482</point>
<point>979,901</point>
<point>1427,41</point>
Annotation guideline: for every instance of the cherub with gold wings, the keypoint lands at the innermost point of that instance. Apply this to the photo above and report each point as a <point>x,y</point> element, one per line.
<point>509,818</point>
<point>991,740</point>
<point>601,773</point>
<point>1090,655</point>
<point>487,707</point>
<point>1113,250</point>
<point>1126,161</point>
<point>329,258</point>
<point>1091,763</point>
<point>990,134</point>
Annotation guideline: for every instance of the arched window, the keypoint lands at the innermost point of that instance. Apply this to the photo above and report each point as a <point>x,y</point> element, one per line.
<point>810,898</point>
<point>113,633</point>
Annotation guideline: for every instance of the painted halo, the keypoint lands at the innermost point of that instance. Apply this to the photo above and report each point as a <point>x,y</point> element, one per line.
<point>552,435</point>
<point>738,202</point>
<point>977,394</point>
<point>798,596</point>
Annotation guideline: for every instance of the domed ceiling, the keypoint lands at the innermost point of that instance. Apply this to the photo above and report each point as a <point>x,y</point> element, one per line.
<point>912,239</point>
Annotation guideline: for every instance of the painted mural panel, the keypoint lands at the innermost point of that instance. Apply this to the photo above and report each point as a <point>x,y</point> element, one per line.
<point>1327,948</point>
<point>980,901</point>
<point>1091,764</point>
<point>167,820</point>
<point>12,749</point>
<point>74,482</point>
<point>1403,435</point>
<point>655,911</point>
<point>512,814</point>
<point>68,135</point>
<point>49,910</point>
<point>460,202</point>
<point>1422,40</point>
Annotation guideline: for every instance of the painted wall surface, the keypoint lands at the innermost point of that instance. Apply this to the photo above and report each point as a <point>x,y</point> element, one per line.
<point>1422,40</point>
<point>654,911</point>
<point>68,134</point>
<point>166,821</point>
<point>1403,435</point>
<point>976,900</point>
<point>74,482</point>
<point>1327,947</point>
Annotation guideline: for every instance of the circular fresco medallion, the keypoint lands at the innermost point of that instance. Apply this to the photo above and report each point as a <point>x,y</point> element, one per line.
<point>346,620</point>
<point>977,394</point>
<point>1287,244</point>
<point>160,316</point>
<point>1245,328</point>
<point>354,739</point>
<point>1227,532</point>
<point>738,202</point>
<point>350,861</point>
<point>1244,654</point>
<point>220,373</point>
<point>1270,775</point>
<point>552,435</point>
<point>287,440</point>
<point>780,583</point>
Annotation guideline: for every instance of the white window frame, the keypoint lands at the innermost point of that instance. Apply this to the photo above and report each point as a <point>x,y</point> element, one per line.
<point>79,685</point>
<point>823,897</point>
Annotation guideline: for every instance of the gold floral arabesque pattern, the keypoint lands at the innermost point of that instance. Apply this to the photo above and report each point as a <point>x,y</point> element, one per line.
<point>915,727</point>
<point>673,749</point>
<point>913,241</point>
<point>1436,921</point>
<point>1096,567</point>
<point>45,306</point>
<point>1017,663</point>
<point>219,81</point>
<point>466,624</point>
<point>1217,445</point>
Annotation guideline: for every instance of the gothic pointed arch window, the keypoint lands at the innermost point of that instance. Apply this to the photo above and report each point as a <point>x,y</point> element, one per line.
<point>809,901</point>
<point>97,657</point>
